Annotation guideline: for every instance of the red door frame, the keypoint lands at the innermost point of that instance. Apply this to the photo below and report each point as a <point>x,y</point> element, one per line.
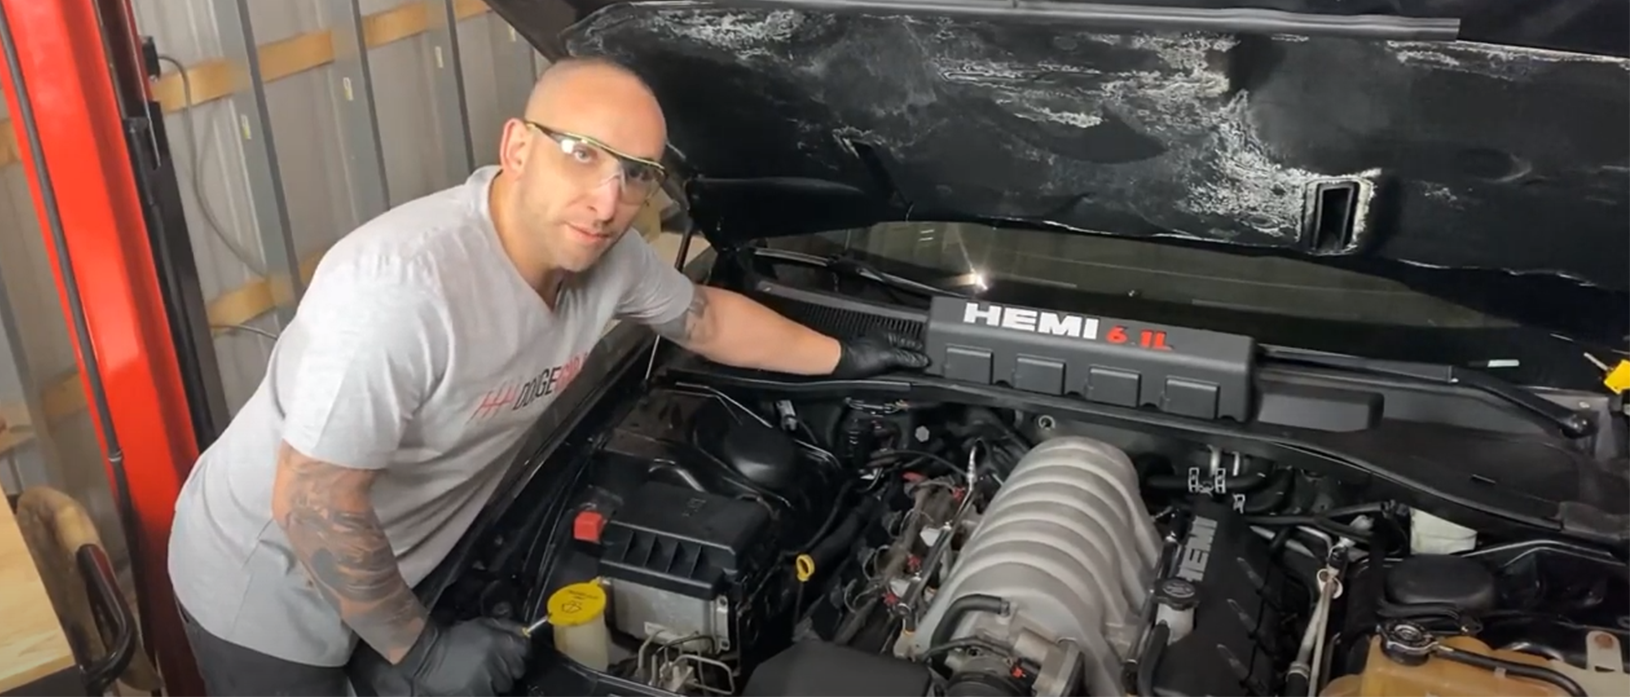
<point>82,143</point>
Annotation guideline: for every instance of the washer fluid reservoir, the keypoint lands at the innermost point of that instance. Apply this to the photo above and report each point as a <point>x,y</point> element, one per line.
<point>578,615</point>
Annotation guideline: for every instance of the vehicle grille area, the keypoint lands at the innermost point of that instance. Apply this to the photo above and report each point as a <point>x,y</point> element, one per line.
<point>836,315</point>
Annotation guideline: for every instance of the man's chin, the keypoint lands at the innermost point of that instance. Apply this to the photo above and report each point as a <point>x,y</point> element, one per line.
<point>579,259</point>
<point>580,249</point>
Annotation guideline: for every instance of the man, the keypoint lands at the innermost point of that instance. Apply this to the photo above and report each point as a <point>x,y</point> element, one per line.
<point>396,397</point>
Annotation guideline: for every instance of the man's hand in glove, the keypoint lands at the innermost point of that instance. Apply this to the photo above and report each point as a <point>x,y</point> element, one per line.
<point>879,352</point>
<point>478,657</point>
<point>730,328</point>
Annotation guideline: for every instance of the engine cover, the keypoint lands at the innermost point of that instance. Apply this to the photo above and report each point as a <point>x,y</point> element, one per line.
<point>1234,645</point>
<point>1067,546</point>
<point>1178,370</point>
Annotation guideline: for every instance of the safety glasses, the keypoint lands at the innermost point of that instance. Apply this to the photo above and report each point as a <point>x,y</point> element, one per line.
<point>592,163</point>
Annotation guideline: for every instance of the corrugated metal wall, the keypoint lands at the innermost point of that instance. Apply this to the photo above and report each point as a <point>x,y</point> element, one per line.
<point>256,212</point>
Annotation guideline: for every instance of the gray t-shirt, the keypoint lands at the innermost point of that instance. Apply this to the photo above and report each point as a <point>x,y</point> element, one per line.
<point>417,350</point>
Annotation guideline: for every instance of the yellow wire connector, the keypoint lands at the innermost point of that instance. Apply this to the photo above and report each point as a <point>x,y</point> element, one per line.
<point>1615,378</point>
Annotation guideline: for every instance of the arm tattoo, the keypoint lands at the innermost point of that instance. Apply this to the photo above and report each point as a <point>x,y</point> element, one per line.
<point>688,328</point>
<point>334,531</point>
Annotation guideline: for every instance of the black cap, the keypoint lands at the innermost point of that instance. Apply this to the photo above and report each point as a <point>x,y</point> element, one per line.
<point>1177,593</point>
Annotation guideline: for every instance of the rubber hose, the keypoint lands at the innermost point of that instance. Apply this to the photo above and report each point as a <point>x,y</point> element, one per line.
<point>54,527</point>
<point>882,456</point>
<point>832,516</point>
<point>1317,521</point>
<point>941,642</point>
<point>1280,539</point>
<point>1373,508</point>
<point>826,524</point>
<point>835,542</point>
<point>1274,495</point>
<point>1150,657</point>
<point>1295,685</point>
<point>976,602</point>
<point>1513,668</point>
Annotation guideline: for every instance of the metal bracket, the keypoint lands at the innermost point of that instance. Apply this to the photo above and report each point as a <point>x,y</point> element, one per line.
<point>447,79</point>
<point>260,160</point>
<point>354,102</point>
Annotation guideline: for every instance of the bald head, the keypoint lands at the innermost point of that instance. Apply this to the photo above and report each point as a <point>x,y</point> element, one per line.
<point>600,99</point>
<point>560,202</point>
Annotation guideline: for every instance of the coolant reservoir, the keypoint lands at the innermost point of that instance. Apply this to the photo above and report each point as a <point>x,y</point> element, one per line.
<point>578,614</point>
<point>1429,534</point>
<point>1441,677</point>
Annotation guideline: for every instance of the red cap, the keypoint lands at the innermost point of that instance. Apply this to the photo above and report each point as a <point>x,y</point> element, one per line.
<point>587,525</point>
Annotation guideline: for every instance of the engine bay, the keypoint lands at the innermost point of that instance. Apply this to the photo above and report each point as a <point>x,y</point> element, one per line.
<point>726,545</point>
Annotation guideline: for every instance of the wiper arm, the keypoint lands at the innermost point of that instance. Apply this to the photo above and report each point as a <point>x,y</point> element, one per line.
<point>1572,424</point>
<point>857,269</point>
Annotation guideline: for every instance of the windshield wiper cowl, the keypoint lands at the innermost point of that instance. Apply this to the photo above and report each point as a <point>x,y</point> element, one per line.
<point>1572,424</point>
<point>856,268</point>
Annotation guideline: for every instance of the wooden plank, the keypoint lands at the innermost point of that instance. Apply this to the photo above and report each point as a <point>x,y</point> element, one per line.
<point>33,645</point>
<point>465,9</point>
<point>253,299</point>
<point>292,56</point>
<point>208,81</point>
<point>65,396</point>
<point>218,78</point>
<point>398,24</point>
<point>15,428</point>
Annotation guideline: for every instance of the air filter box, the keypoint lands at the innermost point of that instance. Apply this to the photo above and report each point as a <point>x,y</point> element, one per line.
<point>684,563</point>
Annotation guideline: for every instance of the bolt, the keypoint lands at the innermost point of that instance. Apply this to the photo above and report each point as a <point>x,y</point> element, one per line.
<point>1046,423</point>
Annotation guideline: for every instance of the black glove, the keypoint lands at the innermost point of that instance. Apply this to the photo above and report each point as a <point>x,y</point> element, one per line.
<point>879,352</point>
<point>478,657</point>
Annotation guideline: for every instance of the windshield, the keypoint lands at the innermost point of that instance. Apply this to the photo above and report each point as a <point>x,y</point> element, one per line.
<point>979,259</point>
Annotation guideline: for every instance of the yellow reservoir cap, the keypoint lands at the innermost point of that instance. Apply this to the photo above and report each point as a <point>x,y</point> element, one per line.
<point>577,604</point>
<point>1618,378</point>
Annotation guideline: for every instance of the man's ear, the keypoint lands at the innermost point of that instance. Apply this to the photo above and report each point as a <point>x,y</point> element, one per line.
<point>512,147</point>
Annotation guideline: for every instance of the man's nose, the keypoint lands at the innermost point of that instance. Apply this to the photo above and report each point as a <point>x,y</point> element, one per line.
<point>604,197</point>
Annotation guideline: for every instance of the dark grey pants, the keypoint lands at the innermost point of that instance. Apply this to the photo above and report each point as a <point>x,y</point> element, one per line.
<point>230,670</point>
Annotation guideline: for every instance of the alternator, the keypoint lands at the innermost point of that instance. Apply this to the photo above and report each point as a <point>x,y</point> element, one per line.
<point>1064,554</point>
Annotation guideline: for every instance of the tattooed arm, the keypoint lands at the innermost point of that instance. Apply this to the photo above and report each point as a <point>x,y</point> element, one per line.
<point>733,329</point>
<point>330,522</point>
<point>722,326</point>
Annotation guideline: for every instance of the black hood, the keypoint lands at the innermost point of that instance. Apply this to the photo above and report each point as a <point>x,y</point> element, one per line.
<point>1475,149</point>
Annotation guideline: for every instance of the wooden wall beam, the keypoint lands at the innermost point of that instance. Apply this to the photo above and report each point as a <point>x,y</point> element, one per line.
<point>211,80</point>
<point>218,78</point>
<point>65,395</point>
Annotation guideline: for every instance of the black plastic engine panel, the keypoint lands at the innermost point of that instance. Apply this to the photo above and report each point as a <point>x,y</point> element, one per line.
<point>1178,370</point>
<point>820,668</point>
<point>1236,645</point>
